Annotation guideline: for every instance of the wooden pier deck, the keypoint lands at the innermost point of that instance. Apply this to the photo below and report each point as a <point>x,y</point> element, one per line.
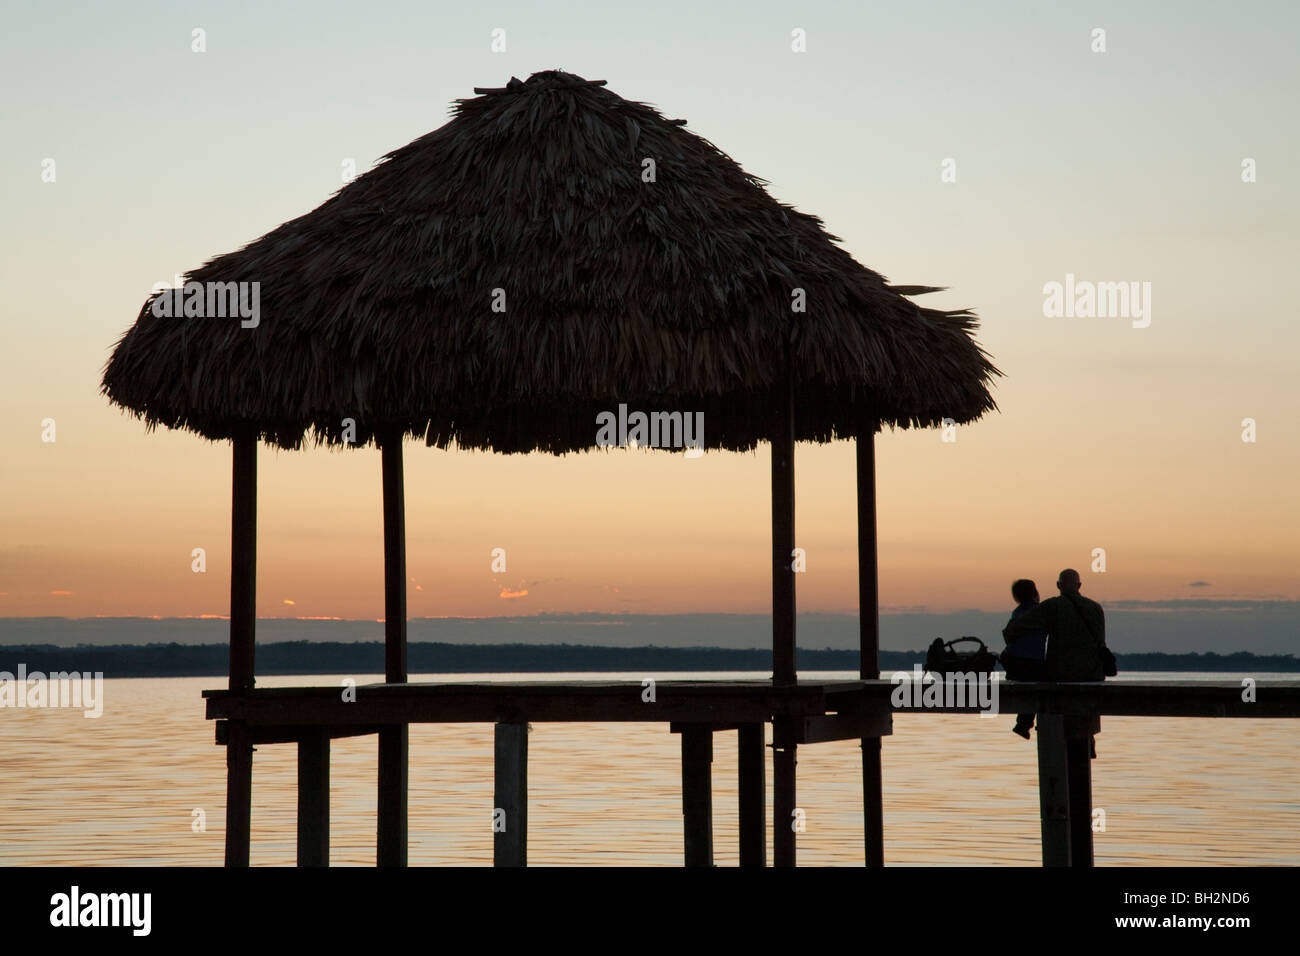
<point>802,713</point>
<point>738,701</point>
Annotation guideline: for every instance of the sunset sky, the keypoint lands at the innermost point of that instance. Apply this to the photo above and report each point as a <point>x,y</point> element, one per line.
<point>1123,165</point>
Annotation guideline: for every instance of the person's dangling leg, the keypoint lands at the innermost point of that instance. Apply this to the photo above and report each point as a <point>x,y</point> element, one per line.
<point>1020,669</point>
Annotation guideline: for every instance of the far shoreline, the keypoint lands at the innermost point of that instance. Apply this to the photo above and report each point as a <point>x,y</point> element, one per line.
<point>304,658</point>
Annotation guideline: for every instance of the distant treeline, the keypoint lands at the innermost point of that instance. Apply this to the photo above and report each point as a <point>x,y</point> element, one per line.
<point>308,657</point>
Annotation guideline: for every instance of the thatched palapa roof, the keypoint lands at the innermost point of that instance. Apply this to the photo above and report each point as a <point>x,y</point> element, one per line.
<point>666,295</point>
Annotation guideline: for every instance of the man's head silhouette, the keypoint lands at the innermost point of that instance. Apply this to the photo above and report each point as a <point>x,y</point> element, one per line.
<point>1068,582</point>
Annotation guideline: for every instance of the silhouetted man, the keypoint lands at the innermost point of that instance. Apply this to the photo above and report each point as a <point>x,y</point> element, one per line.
<point>1025,657</point>
<point>1076,633</point>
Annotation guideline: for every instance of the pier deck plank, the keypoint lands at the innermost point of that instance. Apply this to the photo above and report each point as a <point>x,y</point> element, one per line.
<point>540,701</point>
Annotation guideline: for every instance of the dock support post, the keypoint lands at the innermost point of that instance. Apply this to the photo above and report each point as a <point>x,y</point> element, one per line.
<point>1079,776</point>
<point>1053,789</point>
<point>873,812</point>
<point>393,740</point>
<point>243,623</point>
<point>697,793</point>
<point>239,793</point>
<point>391,841</point>
<point>314,797</point>
<point>752,791</point>
<point>784,820</point>
<point>510,812</point>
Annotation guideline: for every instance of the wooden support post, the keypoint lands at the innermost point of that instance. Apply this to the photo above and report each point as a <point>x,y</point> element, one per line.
<point>752,788</point>
<point>239,793</point>
<point>393,740</point>
<point>783,791</point>
<point>1053,789</point>
<point>510,813</point>
<point>873,803</point>
<point>783,618</point>
<point>314,797</point>
<point>243,560</point>
<point>697,793</point>
<point>243,623</point>
<point>783,609</point>
<point>1079,775</point>
<point>868,568</point>
<point>394,558</point>
<point>873,812</point>
<point>391,844</point>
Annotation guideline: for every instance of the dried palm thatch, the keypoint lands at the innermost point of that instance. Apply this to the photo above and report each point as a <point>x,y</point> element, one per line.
<point>673,294</point>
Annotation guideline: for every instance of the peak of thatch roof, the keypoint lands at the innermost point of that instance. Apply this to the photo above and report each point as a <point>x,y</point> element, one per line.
<point>635,262</point>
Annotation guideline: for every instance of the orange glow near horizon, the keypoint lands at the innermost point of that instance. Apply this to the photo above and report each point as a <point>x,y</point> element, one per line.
<point>645,532</point>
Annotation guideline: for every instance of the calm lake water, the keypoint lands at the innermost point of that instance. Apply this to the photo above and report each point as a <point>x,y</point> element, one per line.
<point>122,789</point>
